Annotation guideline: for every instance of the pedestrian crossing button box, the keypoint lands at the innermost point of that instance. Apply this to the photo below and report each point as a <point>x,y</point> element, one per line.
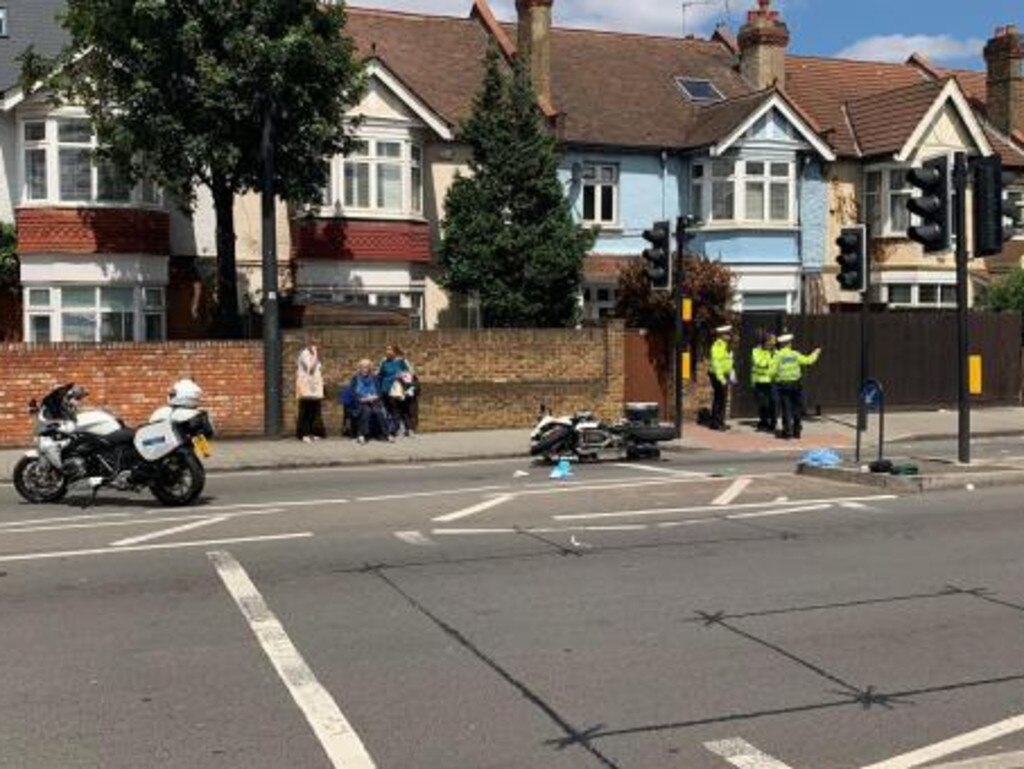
<point>641,413</point>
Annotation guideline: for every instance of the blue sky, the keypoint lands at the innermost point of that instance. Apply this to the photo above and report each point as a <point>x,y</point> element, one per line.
<point>951,32</point>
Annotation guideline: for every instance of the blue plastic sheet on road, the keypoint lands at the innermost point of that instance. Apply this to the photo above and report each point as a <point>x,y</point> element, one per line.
<point>821,458</point>
<point>562,470</point>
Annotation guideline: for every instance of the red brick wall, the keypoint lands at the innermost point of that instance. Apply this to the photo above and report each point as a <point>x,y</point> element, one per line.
<point>93,231</point>
<point>132,381</point>
<point>351,239</point>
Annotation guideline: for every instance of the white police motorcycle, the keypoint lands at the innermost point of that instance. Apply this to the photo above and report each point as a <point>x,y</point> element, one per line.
<point>95,447</point>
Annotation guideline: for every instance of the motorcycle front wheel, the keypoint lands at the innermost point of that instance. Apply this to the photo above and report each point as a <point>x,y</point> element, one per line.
<point>550,440</point>
<point>180,480</point>
<point>39,482</point>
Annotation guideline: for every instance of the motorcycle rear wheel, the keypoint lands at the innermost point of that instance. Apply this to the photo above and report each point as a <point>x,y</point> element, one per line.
<point>181,479</point>
<point>27,481</point>
<point>553,438</point>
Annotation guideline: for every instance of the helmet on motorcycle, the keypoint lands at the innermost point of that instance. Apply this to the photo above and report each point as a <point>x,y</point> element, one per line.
<point>185,394</point>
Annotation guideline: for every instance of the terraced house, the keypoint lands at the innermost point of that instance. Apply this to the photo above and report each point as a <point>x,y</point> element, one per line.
<point>771,152</point>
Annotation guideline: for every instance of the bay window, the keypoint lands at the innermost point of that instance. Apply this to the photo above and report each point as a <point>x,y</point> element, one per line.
<point>59,165</point>
<point>90,314</point>
<point>886,193</point>
<point>743,192</point>
<point>378,177</point>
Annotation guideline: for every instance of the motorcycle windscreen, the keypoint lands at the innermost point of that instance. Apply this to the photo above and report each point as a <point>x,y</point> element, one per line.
<point>156,441</point>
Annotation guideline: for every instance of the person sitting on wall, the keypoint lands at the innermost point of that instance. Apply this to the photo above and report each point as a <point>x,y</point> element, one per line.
<point>371,418</point>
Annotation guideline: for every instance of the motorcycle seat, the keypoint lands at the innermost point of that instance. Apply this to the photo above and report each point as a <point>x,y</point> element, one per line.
<point>120,437</point>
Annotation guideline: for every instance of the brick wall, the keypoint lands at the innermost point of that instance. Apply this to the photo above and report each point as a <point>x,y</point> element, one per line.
<point>349,239</point>
<point>132,380</point>
<point>93,230</point>
<point>476,380</point>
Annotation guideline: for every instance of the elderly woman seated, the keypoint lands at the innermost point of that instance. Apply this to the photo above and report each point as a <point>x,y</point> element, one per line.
<point>371,418</point>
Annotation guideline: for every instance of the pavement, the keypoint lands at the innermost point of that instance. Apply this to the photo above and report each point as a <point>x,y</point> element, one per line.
<point>833,432</point>
<point>639,615</point>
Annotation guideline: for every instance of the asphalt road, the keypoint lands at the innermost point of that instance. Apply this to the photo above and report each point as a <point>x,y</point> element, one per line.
<point>696,613</point>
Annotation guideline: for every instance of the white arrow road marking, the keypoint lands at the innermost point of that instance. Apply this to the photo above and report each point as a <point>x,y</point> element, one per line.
<point>719,508</point>
<point>415,538</point>
<point>1013,760</point>
<point>743,755</point>
<point>458,515</point>
<point>337,737</point>
<point>729,495</point>
<point>953,745</point>
<point>167,532</point>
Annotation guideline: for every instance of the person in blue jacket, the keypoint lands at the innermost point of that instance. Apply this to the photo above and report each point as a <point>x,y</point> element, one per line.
<point>395,375</point>
<point>370,416</point>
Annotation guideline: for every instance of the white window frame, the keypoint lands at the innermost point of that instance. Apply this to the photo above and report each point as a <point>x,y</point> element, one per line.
<point>140,195</point>
<point>1015,195</point>
<point>55,311</point>
<point>883,226</point>
<point>705,175</point>
<point>592,178</point>
<point>4,31</point>
<point>412,163</point>
<point>915,295</point>
<point>593,306</point>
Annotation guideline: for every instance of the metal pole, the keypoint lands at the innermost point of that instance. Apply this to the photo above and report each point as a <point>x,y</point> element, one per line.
<point>960,216</point>
<point>677,288</point>
<point>272,420</point>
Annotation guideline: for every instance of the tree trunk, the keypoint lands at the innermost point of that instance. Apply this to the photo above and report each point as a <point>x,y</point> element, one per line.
<point>227,320</point>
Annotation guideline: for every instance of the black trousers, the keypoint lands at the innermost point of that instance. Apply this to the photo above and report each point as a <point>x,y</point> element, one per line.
<point>372,420</point>
<point>398,408</point>
<point>791,399</point>
<point>310,422</point>
<point>718,403</point>
<point>764,392</point>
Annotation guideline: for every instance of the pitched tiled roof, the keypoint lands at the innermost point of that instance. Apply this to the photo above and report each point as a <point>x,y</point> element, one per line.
<point>822,87</point>
<point>719,120</point>
<point>883,122</point>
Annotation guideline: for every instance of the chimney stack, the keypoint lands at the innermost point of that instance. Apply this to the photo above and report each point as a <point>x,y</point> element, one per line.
<point>535,44</point>
<point>763,41</point>
<point>1004,97</point>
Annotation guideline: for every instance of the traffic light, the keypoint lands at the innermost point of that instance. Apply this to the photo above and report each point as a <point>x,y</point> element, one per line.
<point>853,259</point>
<point>990,232</point>
<point>659,255</point>
<point>933,205</point>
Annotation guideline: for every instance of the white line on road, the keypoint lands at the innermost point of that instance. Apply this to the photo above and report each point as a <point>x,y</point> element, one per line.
<point>458,515</point>
<point>143,548</point>
<point>439,493</point>
<point>717,508</point>
<point>415,538</point>
<point>65,519</point>
<point>1014,760</point>
<point>337,737</point>
<point>167,532</point>
<point>743,755</point>
<point>123,523</point>
<point>773,513</point>
<point>729,495</point>
<point>953,745</point>
<point>664,470</point>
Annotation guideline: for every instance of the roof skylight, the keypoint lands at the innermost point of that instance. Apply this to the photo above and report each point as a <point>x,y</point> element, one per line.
<point>698,90</point>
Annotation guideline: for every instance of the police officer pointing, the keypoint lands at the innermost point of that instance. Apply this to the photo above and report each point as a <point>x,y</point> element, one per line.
<point>789,374</point>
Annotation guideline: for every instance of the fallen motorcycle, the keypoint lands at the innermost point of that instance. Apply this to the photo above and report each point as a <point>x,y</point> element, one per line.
<point>583,436</point>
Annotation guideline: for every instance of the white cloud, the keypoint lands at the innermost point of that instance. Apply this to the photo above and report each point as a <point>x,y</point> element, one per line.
<point>899,47</point>
<point>663,17</point>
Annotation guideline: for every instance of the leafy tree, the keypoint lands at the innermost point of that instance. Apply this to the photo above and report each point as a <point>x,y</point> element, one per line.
<point>1005,295</point>
<point>8,258</point>
<point>178,89</point>
<point>509,235</point>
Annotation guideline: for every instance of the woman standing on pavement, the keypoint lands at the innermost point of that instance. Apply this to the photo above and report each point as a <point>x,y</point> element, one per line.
<point>309,389</point>
<point>396,378</point>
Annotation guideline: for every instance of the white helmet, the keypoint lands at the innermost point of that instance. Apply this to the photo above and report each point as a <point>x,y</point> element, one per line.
<point>185,394</point>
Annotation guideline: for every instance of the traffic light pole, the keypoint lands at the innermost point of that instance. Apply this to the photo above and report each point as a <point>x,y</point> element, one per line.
<point>963,340</point>
<point>677,292</point>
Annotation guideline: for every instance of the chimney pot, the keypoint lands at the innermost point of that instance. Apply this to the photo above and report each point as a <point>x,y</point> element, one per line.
<point>763,41</point>
<point>535,43</point>
<point>1004,81</point>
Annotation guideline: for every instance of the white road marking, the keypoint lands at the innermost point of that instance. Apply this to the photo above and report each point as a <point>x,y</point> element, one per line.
<point>854,505</point>
<point>729,495</point>
<point>743,755</point>
<point>337,737</point>
<point>366,468</point>
<point>665,470</point>
<point>415,538</point>
<point>42,521</point>
<point>471,532</point>
<point>439,493</point>
<point>953,745</point>
<point>1014,760</point>
<point>773,513</point>
<point>44,556</point>
<point>480,507</point>
<point>717,508</point>
<point>133,522</point>
<point>782,499</point>
<point>167,532</point>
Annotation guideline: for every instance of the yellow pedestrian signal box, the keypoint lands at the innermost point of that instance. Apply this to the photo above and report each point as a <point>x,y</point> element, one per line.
<point>975,378</point>
<point>687,310</point>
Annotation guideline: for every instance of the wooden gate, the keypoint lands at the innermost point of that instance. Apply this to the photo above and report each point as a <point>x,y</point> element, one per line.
<point>913,355</point>
<point>648,360</point>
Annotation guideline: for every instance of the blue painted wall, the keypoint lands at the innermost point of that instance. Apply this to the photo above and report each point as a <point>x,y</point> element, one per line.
<point>813,216</point>
<point>749,246</point>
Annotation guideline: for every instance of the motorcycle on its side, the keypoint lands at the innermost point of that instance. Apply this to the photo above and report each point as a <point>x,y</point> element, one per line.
<point>95,447</point>
<point>583,436</point>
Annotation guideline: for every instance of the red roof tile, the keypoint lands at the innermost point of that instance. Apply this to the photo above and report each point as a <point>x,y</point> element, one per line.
<point>883,122</point>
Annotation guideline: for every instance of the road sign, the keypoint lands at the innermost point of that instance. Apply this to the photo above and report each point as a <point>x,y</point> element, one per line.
<point>872,395</point>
